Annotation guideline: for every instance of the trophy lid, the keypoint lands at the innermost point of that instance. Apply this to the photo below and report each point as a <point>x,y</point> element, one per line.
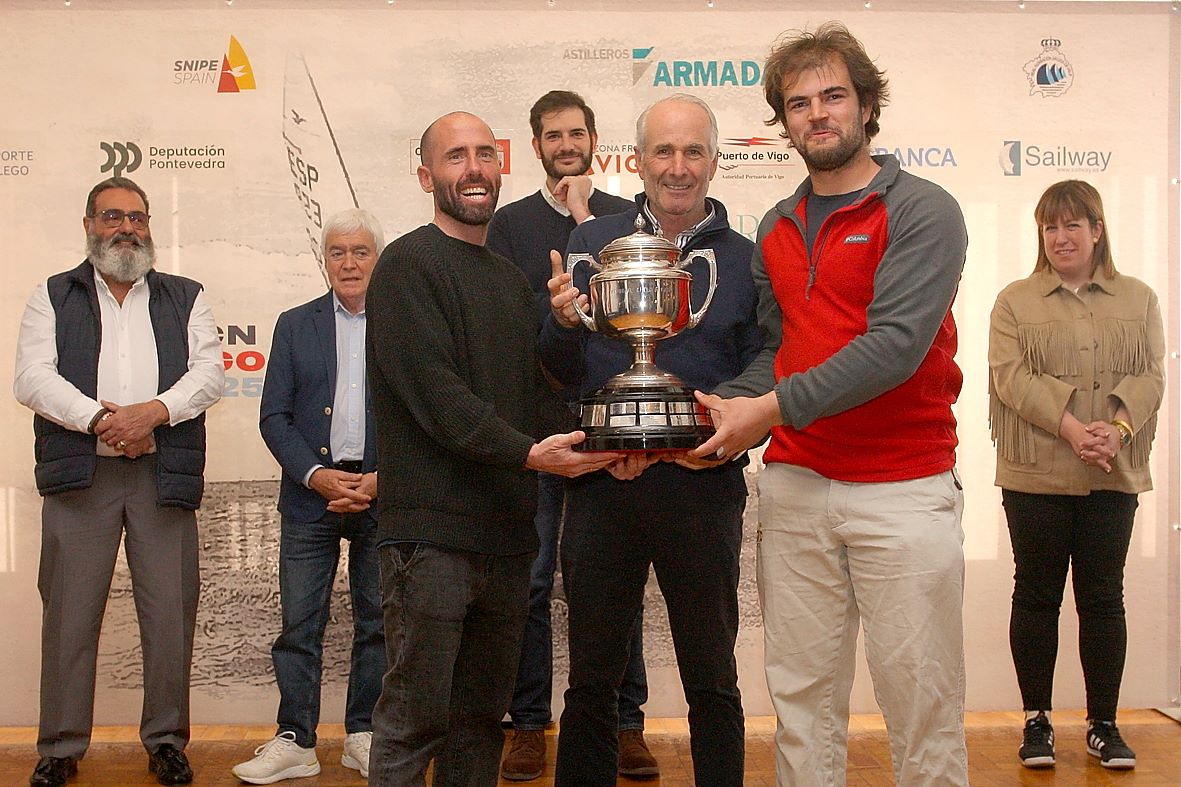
<point>640,250</point>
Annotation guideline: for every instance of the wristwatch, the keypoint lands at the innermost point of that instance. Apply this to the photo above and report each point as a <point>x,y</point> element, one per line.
<point>1125,432</point>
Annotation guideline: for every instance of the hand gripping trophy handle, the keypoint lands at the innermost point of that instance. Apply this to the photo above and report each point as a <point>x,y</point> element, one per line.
<point>572,262</point>
<point>708,256</point>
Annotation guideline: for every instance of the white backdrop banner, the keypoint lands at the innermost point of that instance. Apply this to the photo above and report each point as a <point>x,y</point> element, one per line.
<point>248,126</point>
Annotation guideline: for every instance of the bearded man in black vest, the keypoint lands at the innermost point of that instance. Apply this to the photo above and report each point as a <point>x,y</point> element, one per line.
<point>119,363</point>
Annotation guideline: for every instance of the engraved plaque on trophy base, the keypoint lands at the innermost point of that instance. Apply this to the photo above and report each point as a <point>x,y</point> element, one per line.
<point>667,419</point>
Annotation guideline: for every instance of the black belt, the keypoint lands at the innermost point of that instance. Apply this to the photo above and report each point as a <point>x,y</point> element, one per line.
<point>348,466</point>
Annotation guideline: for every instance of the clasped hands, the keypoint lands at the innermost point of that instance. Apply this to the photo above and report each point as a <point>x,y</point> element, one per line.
<point>128,427</point>
<point>346,493</point>
<point>1101,445</point>
<point>1095,443</point>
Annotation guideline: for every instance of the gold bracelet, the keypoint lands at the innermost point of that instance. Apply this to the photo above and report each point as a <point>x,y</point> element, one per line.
<point>1125,431</point>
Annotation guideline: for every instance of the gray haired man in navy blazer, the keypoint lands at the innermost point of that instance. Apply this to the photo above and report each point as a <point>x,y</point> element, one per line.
<point>317,421</point>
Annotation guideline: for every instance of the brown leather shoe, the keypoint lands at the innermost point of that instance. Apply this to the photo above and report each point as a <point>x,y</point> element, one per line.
<point>634,758</point>
<point>526,757</point>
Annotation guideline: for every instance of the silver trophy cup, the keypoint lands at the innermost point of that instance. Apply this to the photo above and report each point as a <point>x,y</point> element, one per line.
<point>641,294</point>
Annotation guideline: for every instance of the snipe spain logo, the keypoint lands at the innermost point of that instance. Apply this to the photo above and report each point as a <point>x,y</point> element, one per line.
<point>236,73</point>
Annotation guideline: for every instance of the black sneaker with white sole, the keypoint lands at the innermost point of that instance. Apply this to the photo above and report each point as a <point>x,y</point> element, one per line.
<point>1037,747</point>
<point>1105,742</point>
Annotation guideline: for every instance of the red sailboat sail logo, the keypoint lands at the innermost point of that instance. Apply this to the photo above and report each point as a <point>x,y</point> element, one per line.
<point>236,73</point>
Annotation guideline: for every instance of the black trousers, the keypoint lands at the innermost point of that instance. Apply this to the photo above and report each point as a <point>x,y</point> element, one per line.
<point>688,528</point>
<point>1090,536</point>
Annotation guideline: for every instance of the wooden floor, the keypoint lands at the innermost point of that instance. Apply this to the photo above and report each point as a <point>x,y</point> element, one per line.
<point>116,758</point>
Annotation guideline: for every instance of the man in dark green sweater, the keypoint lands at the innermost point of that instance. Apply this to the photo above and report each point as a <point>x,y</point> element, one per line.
<point>458,395</point>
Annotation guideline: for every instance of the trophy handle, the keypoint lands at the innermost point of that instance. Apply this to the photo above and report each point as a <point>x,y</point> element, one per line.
<point>571,263</point>
<point>708,256</point>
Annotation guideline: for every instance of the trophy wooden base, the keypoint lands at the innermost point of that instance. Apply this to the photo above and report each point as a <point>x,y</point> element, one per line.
<point>667,418</point>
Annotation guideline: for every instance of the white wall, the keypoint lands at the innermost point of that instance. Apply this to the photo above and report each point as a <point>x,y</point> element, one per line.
<point>106,72</point>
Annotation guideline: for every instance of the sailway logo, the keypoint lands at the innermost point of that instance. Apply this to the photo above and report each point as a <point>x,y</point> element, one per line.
<point>1050,73</point>
<point>231,72</point>
<point>695,73</point>
<point>1014,157</point>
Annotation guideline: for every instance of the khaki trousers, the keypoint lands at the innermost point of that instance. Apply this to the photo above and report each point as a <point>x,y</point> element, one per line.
<point>890,556</point>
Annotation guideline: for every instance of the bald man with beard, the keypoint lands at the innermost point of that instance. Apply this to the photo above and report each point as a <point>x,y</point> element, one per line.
<point>460,404</point>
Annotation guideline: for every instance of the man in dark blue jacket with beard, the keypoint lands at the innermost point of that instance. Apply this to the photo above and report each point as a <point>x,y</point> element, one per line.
<point>682,517</point>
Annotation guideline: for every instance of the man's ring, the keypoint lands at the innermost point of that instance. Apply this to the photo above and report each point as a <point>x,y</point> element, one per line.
<point>122,444</point>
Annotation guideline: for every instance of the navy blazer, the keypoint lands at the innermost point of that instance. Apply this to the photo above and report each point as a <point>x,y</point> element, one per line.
<point>295,417</point>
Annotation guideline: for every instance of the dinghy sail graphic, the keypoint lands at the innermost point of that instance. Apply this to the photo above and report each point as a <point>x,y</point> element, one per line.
<point>318,172</point>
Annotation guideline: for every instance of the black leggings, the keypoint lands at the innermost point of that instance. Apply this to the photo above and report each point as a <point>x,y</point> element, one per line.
<point>1089,534</point>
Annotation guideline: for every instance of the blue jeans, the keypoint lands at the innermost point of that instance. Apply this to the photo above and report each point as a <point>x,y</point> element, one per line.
<point>531,707</point>
<point>453,638</point>
<point>308,554</point>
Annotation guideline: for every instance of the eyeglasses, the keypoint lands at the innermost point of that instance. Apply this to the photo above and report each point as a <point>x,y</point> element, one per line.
<point>113,217</point>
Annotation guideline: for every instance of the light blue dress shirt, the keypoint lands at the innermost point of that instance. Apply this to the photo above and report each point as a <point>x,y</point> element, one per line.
<point>348,404</point>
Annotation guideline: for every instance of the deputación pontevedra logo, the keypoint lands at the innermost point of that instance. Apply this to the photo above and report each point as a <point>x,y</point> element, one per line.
<point>121,157</point>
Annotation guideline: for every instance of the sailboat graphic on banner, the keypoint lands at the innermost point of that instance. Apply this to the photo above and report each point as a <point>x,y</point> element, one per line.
<point>317,168</point>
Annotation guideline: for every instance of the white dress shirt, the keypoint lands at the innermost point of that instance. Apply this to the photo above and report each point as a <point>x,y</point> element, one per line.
<point>128,369</point>
<point>558,206</point>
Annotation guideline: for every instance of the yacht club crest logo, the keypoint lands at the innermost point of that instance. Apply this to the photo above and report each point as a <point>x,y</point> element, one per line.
<point>1050,73</point>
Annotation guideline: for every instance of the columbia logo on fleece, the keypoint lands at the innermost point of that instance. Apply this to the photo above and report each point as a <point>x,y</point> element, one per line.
<point>862,238</point>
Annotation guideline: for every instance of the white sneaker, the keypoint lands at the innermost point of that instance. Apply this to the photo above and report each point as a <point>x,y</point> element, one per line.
<point>278,759</point>
<point>356,752</point>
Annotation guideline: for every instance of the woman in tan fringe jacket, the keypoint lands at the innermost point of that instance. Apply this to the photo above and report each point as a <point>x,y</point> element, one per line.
<point>1075,353</point>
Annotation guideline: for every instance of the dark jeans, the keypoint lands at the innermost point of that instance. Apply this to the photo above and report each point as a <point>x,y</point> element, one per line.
<point>531,709</point>
<point>308,555</point>
<point>688,527</point>
<point>1090,535</point>
<point>453,624</point>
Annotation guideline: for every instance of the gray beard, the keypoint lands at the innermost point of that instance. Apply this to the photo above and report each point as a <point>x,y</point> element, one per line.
<point>122,265</point>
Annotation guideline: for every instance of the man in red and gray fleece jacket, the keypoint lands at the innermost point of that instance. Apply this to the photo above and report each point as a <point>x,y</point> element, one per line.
<point>860,504</point>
